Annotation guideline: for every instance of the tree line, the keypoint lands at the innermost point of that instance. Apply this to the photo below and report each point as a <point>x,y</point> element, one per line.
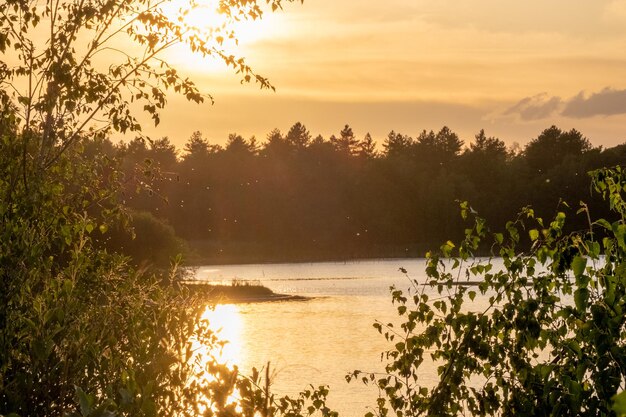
<point>298,197</point>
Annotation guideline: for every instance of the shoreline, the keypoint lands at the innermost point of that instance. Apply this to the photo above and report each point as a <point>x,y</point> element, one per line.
<point>194,261</point>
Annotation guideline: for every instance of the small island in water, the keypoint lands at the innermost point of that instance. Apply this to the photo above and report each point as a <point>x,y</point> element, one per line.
<point>238,291</point>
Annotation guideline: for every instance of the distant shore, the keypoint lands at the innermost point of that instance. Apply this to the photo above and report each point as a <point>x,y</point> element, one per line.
<point>205,252</point>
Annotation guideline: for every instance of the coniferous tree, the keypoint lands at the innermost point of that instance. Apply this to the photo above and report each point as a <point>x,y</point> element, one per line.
<point>298,136</point>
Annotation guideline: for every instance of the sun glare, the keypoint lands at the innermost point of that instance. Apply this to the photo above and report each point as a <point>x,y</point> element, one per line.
<point>225,320</point>
<point>205,18</point>
<point>203,15</point>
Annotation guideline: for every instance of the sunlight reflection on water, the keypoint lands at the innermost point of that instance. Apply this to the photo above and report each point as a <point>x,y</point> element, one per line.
<point>225,320</point>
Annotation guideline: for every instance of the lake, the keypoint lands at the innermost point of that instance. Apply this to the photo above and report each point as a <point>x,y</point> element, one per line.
<point>320,340</point>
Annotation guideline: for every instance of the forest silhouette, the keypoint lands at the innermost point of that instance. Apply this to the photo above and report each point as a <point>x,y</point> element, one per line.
<point>296,197</point>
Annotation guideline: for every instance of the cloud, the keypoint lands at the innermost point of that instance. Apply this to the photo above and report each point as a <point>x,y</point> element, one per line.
<point>536,107</point>
<point>607,102</point>
<point>615,10</point>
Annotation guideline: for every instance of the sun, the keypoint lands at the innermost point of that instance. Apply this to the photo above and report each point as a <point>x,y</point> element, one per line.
<point>232,32</point>
<point>213,20</point>
<point>201,16</point>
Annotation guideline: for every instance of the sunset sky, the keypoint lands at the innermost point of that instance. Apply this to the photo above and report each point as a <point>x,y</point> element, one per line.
<point>512,68</point>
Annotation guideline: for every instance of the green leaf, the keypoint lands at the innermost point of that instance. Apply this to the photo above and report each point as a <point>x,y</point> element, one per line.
<point>472,295</point>
<point>581,297</point>
<point>149,408</point>
<point>620,234</point>
<point>604,223</point>
<point>619,404</point>
<point>68,285</point>
<point>534,234</point>
<point>85,401</point>
<point>594,250</point>
<point>578,265</point>
<point>40,349</point>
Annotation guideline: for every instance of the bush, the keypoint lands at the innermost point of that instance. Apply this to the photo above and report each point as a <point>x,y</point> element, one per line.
<point>84,333</point>
<point>551,339</point>
<point>145,239</point>
<point>81,332</point>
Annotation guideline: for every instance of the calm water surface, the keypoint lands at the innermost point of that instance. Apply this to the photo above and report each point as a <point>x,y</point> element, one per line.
<point>320,340</point>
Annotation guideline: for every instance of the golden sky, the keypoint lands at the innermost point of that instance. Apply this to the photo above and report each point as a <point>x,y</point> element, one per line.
<point>510,67</point>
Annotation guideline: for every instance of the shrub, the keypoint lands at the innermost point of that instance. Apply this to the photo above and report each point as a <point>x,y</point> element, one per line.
<point>80,330</point>
<point>551,338</point>
<point>145,239</point>
<point>84,333</point>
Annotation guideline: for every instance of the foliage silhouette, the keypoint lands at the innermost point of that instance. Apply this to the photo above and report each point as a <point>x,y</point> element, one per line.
<point>547,342</point>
